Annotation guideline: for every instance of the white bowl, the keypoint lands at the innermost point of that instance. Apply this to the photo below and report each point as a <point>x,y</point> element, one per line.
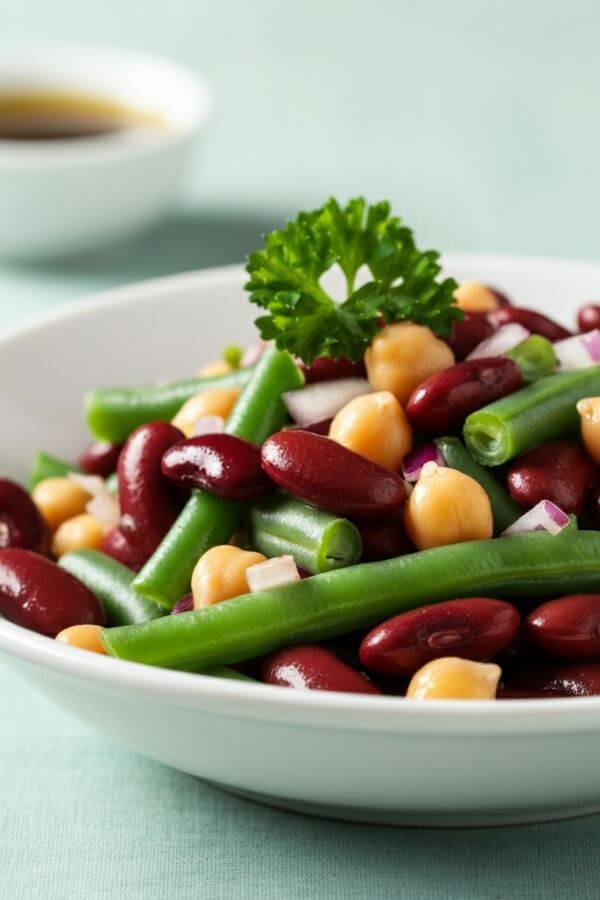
<point>372,759</point>
<point>65,197</point>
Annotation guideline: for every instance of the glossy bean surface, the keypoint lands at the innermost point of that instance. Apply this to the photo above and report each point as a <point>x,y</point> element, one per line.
<point>475,629</point>
<point>219,463</point>
<point>21,524</point>
<point>470,331</point>
<point>444,400</point>
<point>535,322</point>
<point>383,538</point>
<point>313,668</point>
<point>553,680</point>
<point>557,471</point>
<point>325,368</point>
<point>100,458</point>
<point>568,627</point>
<point>38,595</point>
<point>588,317</point>
<point>331,477</point>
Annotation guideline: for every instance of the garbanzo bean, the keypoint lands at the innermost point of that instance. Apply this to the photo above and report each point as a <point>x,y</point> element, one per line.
<point>85,637</point>
<point>472,296</point>
<point>82,532</point>
<point>447,507</point>
<point>220,574</point>
<point>452,678</point>
<point>402,356</point>
<point>216,367</point>
<point>375,426</point>
<point>59,499</point>
<point>212,402</point>
<point>589,411</point>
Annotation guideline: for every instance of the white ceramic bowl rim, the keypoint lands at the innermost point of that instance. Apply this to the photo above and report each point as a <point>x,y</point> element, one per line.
<point>245,699</point>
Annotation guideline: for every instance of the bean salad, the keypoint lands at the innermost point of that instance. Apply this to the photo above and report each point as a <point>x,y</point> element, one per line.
<point>396,493</point>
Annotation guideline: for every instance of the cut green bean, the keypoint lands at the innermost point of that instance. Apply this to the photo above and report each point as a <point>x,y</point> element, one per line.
<point>540,412</point>
<point>111,583</point>
<point>504,509</point>
<point>318,541</point>
<point>113,413</point>
<point>535,358</point>
<point>46,466</point>
<point>207,520</point>
<point>527,566</point>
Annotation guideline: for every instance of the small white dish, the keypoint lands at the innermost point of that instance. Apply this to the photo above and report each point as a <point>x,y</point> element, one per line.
<point>64,197</point>
<point>371,759</point>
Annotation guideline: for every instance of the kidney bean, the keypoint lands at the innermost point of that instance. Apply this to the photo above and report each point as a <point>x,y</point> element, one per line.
<point>100,458</point>
<point>43,597</point>
<point>219,463</point>
<point>325,368</point>
<point>568,627</point>
<point>117,546</point>
<point>502,298</point>
<point>476,629</point>
<point>383,538</point>
<point>591,508</point>
<point>331,477</point>
<point>534,321</point>
<point>557,471</point>
<point>442,402</point>
<point>588,317</point>
<point>148,502</point>
<point>321,427</point>
<point>21,524</point>
<point>468,333</point>
<point>553,680</point>
<point>313,668</point>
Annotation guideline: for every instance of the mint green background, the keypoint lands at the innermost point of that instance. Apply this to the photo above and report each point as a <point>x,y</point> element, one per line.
<point>480,121</point>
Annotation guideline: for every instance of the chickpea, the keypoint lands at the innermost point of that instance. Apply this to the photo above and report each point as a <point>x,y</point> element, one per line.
<point>374,425</point>
<point>589,411</point>
<point>85,637</point>
<point>452,678</point>
<point>402,356</point>
<point>220,574</point>
<point>472,296</point>
<point>447,507</point>
<point>212,402</point>
<point>214,368</point>
<point>82,532</point>
<point>59,499</point>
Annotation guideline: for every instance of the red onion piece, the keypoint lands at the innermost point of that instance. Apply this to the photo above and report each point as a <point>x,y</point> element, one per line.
<point>184,605</point>
<point>545,516</point>
<point>507,337</point>
<point>579,352</point>
<point>272,573</point>
<point>413,462</point>
<point>323,399</point>
<point>208,425</point>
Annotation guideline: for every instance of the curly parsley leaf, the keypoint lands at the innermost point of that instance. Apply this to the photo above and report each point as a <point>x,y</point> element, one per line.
<point>285,280</point>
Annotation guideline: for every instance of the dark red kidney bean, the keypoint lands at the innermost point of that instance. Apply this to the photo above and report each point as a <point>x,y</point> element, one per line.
<point>501,298</point>
<point>557,471</point>
<point>553,680</point>
<point>325,368</point>
<point>321,427</point>
<point>117,546</point>
<point>219,463</point>
<point>442,402</point>
<point>468,333</point>
<point>39,595</point>
<point>568,627</point>
<point>534,321</point>
<point>331,477</point>
<point>313,668</point>
<point>383,538</point>
<point>477,628</point>
<point>21,524</point>
<point>149,504</point>
<point>591,508</point>
<point>100,459</point>
<point>588,317</point>
<point>184,605</point>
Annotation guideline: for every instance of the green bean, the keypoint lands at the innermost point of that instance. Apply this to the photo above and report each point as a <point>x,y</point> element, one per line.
<point>318,541</point>
<point>112,484</point>
<point>540,412</point>
<point>111,583</point>
<point>207,520</point>
<point>226,672</point>
<point>527,566</point>
<point>113,413</point>
<point>535,358</point>
<point>47,466</point>
<point>504,509</point>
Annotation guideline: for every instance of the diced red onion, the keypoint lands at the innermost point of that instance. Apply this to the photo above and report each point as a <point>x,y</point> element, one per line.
<point>184,605</point>
<point>579,352</point>
<point>105,508</point>
<point>92,484</point>
<point>323,399</point>
<point>208,425</point>
<point>544,516</point>
<point>507,337</point>
<point>413,462</point>
<point>272,573</point>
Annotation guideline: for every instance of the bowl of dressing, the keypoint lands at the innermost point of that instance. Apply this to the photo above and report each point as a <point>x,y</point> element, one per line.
<point>93,146</point>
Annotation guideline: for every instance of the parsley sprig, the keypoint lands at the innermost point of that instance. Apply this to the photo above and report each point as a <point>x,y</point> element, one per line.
<point>285,280</point>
